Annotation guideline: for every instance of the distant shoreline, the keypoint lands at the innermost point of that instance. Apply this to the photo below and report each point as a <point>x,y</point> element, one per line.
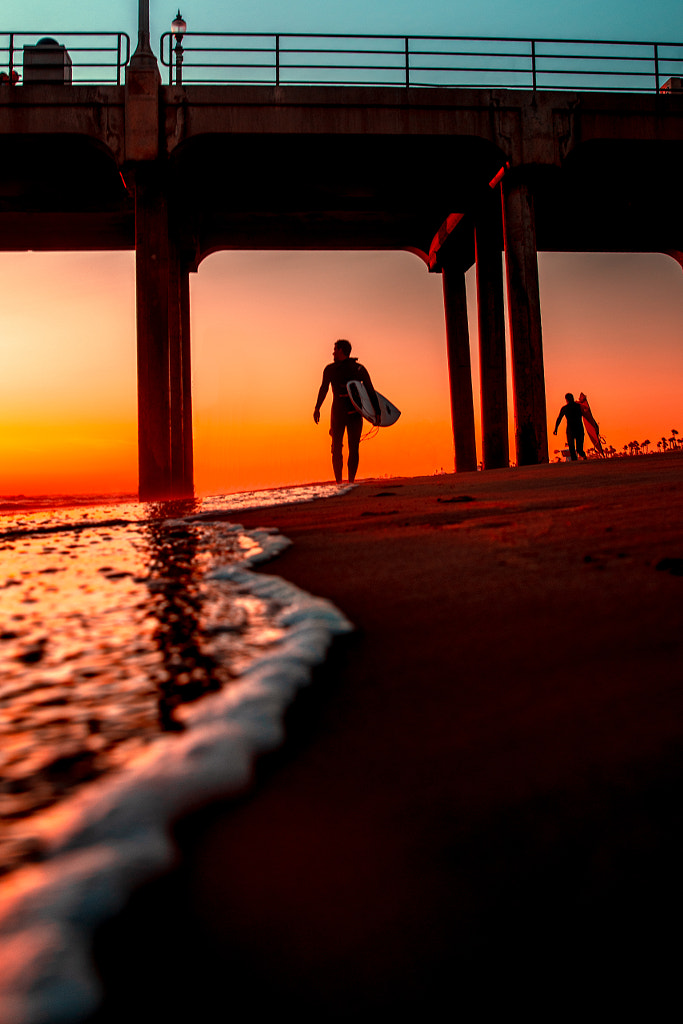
<point>11,504</point>
<point>17,503</point>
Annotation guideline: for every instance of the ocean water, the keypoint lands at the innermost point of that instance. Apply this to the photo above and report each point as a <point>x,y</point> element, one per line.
<point>143,666</point>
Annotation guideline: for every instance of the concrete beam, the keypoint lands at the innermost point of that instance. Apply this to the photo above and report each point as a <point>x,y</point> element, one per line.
<point>524,126</point>
<point>97,112</point>
<point>676,254</point>
<point>66,231</point>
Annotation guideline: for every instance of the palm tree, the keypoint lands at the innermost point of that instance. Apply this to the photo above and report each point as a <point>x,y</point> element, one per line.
<point>645,444</point>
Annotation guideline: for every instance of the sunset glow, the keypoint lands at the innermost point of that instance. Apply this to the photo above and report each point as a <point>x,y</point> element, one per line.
<point>263,323</point>
<point>263,326</point>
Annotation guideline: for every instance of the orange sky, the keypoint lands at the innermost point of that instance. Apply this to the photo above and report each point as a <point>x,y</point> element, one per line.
<point>263,327</point>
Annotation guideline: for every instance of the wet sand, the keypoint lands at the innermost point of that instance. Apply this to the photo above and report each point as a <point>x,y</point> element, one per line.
<point>478,807</point>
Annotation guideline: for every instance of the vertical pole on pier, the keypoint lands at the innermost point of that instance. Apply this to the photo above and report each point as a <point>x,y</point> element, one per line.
<point>491,319</point>
<point>144,48</point>
<point>524,312</point>
<point>459,367</point>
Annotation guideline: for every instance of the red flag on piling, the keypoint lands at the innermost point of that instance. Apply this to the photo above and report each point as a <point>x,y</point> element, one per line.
<point>591,426</point>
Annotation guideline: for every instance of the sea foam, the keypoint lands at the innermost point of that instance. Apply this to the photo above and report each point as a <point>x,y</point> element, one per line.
<point>112,834</point>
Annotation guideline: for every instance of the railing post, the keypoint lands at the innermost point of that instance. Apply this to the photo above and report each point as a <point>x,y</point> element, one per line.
<point>11,58</point>
<point>656,67</point>
<point>407,54</point>
<point>533,65</point>
<point>277,60</point>
<point>118,59</point>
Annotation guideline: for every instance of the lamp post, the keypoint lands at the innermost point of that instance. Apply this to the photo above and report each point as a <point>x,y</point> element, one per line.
<point>143,56</point>
<point>178,27</point>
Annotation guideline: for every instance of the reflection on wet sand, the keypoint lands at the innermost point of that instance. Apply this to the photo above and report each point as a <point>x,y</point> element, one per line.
<point>186,671</point>
<point>107,629</point>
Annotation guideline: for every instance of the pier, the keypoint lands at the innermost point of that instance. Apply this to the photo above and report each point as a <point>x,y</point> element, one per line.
<point>459,175</point>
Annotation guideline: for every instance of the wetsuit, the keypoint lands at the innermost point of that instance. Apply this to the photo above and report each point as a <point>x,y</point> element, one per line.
<point>575,435</point>
<point>344,415</point>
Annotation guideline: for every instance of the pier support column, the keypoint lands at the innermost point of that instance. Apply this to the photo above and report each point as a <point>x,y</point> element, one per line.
<point>524,309</point>
<point>459,367</point>
<point>180,376</point>
<point>188,442</point>
<point>492,360</point>
<point>164,409</point>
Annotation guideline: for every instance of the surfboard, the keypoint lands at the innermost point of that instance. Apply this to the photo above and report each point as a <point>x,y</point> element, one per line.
<point>592,428</point>
<point>360,398</point>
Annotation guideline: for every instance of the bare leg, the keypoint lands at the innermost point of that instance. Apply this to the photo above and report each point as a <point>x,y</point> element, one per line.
<point>354,428</point>
<point>572,446</point>
<point>337,426</point>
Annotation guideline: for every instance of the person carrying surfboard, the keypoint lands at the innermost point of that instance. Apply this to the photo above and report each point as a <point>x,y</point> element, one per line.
<point>344,417</point>
<point>575,435</point>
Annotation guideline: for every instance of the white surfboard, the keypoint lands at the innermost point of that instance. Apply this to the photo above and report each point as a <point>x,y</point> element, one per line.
<point>358,394</point>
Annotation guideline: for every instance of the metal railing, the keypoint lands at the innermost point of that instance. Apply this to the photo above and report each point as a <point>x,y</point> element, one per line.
<point>419,61</point>
<point>97,58</point>
<point>371,60</point>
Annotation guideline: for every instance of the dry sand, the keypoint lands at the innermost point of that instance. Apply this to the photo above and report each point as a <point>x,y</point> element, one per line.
<point>478,808</point>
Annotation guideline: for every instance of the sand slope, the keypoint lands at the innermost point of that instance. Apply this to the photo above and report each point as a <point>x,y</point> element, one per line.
<point>480,800</point>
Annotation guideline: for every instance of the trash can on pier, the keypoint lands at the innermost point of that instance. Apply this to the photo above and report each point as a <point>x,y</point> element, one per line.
<point>48,62</point>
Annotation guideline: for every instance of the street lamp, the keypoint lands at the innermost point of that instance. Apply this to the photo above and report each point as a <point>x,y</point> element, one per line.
<point>178,27</point>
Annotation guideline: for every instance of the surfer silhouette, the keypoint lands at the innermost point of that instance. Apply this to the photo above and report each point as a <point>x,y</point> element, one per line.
<point>344,416</point>
<point>574,416</point>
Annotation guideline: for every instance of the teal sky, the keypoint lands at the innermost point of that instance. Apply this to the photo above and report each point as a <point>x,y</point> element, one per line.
<point>658,20</point>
